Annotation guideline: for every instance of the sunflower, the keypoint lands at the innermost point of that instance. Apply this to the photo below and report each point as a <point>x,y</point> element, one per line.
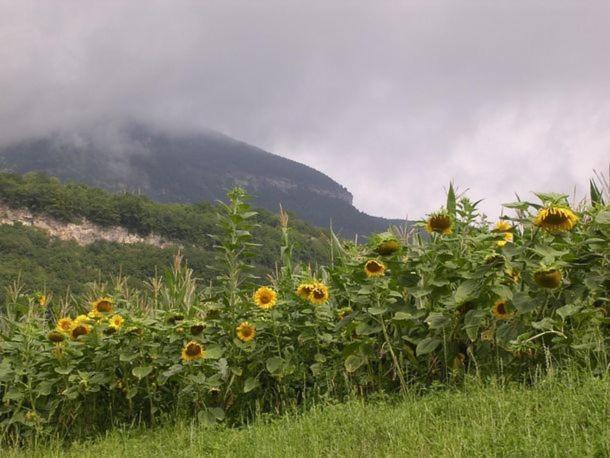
<point>343,312</point>
<point>80,330</point>
<point>506,238</point>
<point>487,335</point>
<point>95,315</point>
<point>175,318</point>
<point>42,300</point>
<point>374,268</point>
<point>56,336</point>
<point>197,329</point>
<point>64,325</point>
<point>102,305</point>
<point>513,275</point>
<point>319,295</point>
<point>192,351</point>
<point>500,310</point>
<point>116,322</point>
<point>556,219</point>
<point>503,226</point>
<point>246,331</point>
<point>550,278</point>
<point>388,247</point>
<point>304,290</point>
<point>265,298</point>
<point>81,319</point>
<point>441,223</point>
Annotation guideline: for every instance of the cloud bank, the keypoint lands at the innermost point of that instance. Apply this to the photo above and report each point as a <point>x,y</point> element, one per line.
<point>391,99</point>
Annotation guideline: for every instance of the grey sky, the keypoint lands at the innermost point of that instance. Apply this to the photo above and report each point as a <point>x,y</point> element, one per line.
<point>391,99</point>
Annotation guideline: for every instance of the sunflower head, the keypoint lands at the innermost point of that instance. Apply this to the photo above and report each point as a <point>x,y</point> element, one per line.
<point>344,312</point>
<point>56,336</point>
<point>555,219</point>
<point>80,330</point>
<point>503,226</point>
<point>440,222</point>
<point>116,322</point>
<point>245,331</point>
<point>494,259</point>
<point>388,247</point>
<point>192,351</point>
<point>487,335</point>
<point>548,278</point>
<point>81,319</point>
<point>175,318</point>
<point>265,298</point>
<point>374,268</point>
<point>95,315</point>
<point>513,275</point>
<point>507,237</point>
<point>304,290</point>
<point>319,295</point>
<point>102,305</point>
<point>42,300</point>
<point>501,310</point>
<point>64,325</point>
<point>197,329</point>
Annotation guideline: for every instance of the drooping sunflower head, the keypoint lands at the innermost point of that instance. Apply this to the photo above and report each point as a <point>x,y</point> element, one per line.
<point>80,330</point>
<point>388,247</point>
<point>56,336</point>
<point>304,290</point>
<point>507,237</point>
<point>556,219</point>
<point>192,351</point>
<point>102,305</point>
<point>116,322</point>
<point>173,319</point>
<point>440,222</point>
<point>265,298</point>
<point>197,329</point>
<point>548,278</point>
<point>64,325</point>
<point>503,226</point>
<point>320,294</point>
<point>501,310</point>
<point>245,331</point>
<point>374,268</point>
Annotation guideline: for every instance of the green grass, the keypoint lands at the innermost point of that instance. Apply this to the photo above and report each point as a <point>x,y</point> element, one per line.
<point>569,416</point>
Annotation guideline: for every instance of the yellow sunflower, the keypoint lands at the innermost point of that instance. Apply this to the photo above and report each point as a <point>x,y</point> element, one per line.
<point>441,223</point>
<point>116,322</point>
<point>503,226</point>
<point>506,238</point>
<point>80,330</point>
<point>319,295</point>
<point>513,275</point>
<point>42,300</point>
<point>388,247</point>
<point>192,351</point>
<point>56,336</point>
<point>246,331</point>
<point>64,325</point>
<point>81,319</point>
<point>102,305</point>
<point>556,219</point>
<point>265,298</point>
<point>94,315</point>
<point>304,290</point>
<point>500,310</point>
<point>343,312</point>
<point>374,268</point>
<point>550,278</point>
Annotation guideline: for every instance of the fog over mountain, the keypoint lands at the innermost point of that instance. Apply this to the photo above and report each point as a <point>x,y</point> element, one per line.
<point>389,99</point>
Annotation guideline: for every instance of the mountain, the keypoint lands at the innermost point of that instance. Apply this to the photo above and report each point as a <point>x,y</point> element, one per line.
<point>189,168</point>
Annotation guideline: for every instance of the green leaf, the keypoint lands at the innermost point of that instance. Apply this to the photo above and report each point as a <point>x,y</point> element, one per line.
<point>377,310</point>
<point>353,362</point>
<point>523,303</point>
<point>213,352</point>
<point>546,324</point>
<point>274,364</point>
<point>64,370</point>
<point>141,371</point>
<point>398,316</point>
<point>467,291</point>
<point>250,384</point>
<point>427,345</point>
<point>567,310</point>
<point>603,217</point>
<point>437,320</point>
<point>451,200</point>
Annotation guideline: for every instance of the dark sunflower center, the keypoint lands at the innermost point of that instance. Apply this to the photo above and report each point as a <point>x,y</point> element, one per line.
<point>79,331</point>
<point>306,289</point>
<point>440,223</point>
<point>501,308</point>
<point>265,298</point>
<point>373,267</point>
<point>246,331</point>
<point>556,218</point>
<point>104,306</point>
<point>318,294</point>
<point>193,350</point>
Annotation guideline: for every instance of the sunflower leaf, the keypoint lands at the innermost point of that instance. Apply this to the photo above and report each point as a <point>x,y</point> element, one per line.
<point>141,371</point>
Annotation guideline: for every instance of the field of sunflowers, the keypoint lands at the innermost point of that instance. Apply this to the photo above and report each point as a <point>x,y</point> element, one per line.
<point>453,295</point>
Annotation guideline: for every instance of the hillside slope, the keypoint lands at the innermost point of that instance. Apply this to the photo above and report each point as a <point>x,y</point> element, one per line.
<point>190,168</point>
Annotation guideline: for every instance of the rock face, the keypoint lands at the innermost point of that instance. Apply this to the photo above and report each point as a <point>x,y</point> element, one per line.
<point>83,233</point>
<point>189,168</point>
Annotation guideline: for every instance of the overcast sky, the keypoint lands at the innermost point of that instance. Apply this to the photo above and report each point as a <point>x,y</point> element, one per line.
<point>391,99</point>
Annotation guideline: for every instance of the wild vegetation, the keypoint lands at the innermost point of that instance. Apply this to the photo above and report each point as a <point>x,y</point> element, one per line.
<point>399,314</point>
<point>35,261</point>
